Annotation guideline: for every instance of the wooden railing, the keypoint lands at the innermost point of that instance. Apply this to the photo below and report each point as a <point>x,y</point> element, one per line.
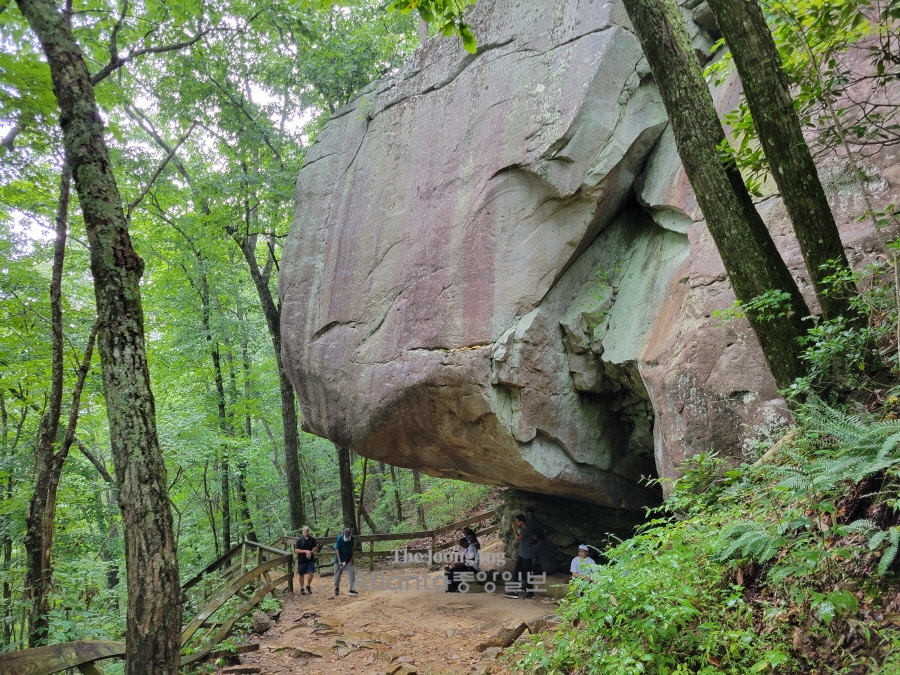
<point>325,556</point>
<point>249,571</point>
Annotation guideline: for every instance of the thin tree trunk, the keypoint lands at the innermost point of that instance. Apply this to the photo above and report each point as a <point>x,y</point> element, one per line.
<point>417,488</point>
<point>345,471</point>
<point>272,314</point>
<point>747,250</point>
<point>368,519</point>
<point>398,503</point>
<point>153,622</point>
<point>211,510</point>
<point>362,494</point>
<point>37,575</point>
<point>768,95</point>
<point>248,432</point>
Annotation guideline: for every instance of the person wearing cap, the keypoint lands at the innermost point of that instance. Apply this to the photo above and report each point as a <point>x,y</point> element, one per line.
<point>343,559</point>
<point>306,548</point>
<point>581,564</point>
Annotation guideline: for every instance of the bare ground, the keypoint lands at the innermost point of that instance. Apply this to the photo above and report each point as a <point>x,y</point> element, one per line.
<point>428,630</point>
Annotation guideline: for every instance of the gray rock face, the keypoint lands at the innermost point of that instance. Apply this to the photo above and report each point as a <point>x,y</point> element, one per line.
<point>497,270</point>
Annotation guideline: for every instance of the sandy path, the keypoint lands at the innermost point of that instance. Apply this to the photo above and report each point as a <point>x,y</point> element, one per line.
<point>437,631</point>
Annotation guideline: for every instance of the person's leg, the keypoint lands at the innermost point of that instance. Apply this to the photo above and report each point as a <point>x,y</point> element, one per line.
<point>351,570</point>
<point>338,571</point>
<point>308,581</point>
<point>528,568</point>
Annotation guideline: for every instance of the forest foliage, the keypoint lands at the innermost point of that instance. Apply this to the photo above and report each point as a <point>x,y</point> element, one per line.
<point>209,109</point>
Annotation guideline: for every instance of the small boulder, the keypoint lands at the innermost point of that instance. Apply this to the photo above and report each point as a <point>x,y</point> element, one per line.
<point>261,622</point>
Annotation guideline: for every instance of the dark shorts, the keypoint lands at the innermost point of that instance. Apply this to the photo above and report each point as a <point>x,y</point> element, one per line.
<point>306,566</point>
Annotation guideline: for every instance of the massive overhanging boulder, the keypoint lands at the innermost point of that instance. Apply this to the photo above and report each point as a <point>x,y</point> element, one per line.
<point>497,271</point>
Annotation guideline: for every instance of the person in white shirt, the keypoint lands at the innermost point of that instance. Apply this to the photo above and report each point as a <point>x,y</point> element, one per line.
<point>582,563</point>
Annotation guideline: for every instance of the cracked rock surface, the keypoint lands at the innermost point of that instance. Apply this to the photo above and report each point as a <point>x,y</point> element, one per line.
<point>497,270</point>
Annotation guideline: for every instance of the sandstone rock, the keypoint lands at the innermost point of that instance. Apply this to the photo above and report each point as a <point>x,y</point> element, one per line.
<point>236,670</point>
<point>543,623</point>
<point>491,653</point>
<point>310,653</point>
<point>261,622</point>
<point>498,271</point>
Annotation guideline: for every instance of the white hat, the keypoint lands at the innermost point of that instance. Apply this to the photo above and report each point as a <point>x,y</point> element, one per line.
<point>583,547</point>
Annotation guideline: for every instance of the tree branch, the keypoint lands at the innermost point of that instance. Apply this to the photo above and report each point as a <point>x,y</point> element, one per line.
<point>115,62</point>
<point>156,174</point>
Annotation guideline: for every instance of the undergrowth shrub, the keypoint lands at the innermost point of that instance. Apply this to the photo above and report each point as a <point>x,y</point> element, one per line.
<point>783,567</point>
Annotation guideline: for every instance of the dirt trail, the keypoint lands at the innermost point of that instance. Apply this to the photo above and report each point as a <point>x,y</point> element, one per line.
<point>428,629</point>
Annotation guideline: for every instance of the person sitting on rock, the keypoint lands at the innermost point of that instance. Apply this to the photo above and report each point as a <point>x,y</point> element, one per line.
<point>545,560</point>
<point>582,563</point>
<point>468,562</point>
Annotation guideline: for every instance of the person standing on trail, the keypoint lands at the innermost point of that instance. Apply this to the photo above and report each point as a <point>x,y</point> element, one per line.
<point>343,559</point>
<point>524,534</point>
<point>306,548</point>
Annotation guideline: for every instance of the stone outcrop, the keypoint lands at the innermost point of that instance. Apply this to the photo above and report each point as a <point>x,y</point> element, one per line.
<point>497,270</point>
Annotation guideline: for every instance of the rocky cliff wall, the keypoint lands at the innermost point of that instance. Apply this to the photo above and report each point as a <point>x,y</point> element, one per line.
<point>497,270</point>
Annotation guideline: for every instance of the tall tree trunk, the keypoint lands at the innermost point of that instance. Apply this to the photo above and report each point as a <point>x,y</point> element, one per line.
<point>398,503</point>
<point>153,622</point>
<point>345,471</point>
<point>272,314</point>
<point>748,252</point>
<point>417,488</point>
<point>37,572</point>
<point>768,95</point>
<point>362,494</point>
<point>248,432</point>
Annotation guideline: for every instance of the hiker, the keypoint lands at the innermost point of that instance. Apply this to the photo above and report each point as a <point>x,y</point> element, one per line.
<point>472,537</point>
<point>343,559</point>
<point>525,536</point>
<point>306,548</point>
<point>545,560</point>
<point>464,569</point>
<point>582,563</point>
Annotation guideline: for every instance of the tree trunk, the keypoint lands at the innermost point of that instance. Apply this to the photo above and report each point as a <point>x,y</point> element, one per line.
<point>362,494</point>
<point>398,503</point>
<point>748,252</point>
<point>272,313</point>
<point>347,497</point>
<point>768,95</point>
<point>153,623</point>
<point>37,572</point>
<point>248,432</point>
<point>417,488</point>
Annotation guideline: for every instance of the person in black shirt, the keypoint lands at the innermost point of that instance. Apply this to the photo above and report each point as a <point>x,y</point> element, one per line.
<point>545,558</point>
<point>306,548</point>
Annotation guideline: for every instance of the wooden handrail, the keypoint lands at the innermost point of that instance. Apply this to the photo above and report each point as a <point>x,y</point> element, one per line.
<point>55,658</point>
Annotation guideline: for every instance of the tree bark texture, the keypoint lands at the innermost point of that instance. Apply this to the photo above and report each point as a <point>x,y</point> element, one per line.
<point>768,95</point>
<point>289,420</point>
<point>348,507</point>
<point>748,252</point>
<point>153,624</point>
